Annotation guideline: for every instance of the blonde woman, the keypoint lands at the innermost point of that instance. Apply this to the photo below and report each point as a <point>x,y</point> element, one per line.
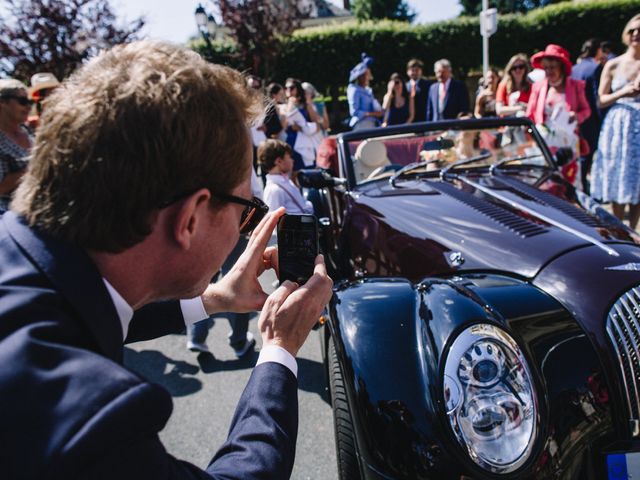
<point>515,88</point>
<point>616,169</point>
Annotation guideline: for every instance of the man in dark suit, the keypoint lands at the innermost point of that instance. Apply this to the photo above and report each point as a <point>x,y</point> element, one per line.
<point>418,88</point>
<point>448,97</point>
<point>589,69</point>
<point>137,190</point>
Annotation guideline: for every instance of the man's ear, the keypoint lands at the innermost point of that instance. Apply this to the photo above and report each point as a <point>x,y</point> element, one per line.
<point>190,215</point>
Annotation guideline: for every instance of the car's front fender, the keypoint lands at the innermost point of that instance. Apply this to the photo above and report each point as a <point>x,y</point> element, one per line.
<point>392,338</point>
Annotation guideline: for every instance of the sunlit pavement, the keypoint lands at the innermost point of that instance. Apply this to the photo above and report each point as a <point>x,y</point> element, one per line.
<point>206,390</point>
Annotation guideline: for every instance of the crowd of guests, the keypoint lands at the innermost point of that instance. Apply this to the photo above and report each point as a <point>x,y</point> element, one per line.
<point>591,108</point>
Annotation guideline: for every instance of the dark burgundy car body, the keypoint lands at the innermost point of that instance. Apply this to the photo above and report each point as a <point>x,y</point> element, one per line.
<point>419,259</point>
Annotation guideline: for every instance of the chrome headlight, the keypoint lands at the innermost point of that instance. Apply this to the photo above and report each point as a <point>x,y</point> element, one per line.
<point>490,398</point>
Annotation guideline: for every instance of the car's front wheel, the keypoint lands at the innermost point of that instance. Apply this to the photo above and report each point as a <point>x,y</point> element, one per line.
<point>346,448</point>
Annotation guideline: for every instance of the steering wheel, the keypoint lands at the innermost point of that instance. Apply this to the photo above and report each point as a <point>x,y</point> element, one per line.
<point>392,167</point>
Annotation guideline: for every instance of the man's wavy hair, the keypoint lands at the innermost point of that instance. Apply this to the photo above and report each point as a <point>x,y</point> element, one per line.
<point>137,127</point>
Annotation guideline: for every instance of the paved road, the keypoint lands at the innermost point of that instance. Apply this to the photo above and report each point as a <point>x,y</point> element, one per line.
<point>205,391</point>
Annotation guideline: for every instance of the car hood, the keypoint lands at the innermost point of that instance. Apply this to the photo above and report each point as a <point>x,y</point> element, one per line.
<point>481,222</point>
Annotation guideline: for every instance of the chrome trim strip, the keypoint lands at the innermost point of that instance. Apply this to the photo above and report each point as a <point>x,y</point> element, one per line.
<point>620,358</point>
<point>628,343</point>
<point>610,328</point>
<point>540,216</point>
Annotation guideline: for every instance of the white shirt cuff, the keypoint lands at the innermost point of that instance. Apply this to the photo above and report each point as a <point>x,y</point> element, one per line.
<point>193,311</point>
<point>274,353</point>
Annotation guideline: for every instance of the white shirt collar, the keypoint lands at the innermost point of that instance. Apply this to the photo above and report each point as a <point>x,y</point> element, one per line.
<point>278,177</point>
<point>125,312</point>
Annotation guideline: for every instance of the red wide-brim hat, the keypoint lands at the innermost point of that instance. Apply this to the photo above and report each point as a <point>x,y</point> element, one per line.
<point>556,52</point>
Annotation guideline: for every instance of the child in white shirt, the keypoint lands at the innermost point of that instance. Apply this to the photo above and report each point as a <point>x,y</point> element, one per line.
<point>274,156</point>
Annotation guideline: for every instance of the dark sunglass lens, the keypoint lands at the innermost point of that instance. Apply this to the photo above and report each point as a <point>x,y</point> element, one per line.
<point>252,215</point>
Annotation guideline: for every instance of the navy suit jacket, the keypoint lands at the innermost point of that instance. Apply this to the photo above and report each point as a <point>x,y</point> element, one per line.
<point>420,99</point>
<point>455,102</point>
<point>70,409</point>
<point>589,71</point>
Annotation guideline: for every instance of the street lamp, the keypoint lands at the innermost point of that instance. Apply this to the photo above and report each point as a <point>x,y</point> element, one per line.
<point>206,26</point>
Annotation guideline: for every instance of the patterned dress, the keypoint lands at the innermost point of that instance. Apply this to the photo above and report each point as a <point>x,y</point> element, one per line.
<point>615,175</point>
<point>13,158</point>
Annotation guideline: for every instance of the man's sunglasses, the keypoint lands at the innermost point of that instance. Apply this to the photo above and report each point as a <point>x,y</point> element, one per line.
<point>24,101</point>
<point>254,209</point>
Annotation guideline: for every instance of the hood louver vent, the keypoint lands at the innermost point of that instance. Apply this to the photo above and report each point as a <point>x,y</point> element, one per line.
<point>520,226</point>
<point>545,198</point>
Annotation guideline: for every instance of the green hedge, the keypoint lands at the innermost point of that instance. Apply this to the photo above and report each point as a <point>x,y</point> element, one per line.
<point>324,55</point>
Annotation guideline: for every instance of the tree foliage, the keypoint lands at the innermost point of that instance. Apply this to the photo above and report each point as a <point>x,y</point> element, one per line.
<point>258,27</point>
<point>474,7</point>
<point>57,35</point>
<point>382,9</point>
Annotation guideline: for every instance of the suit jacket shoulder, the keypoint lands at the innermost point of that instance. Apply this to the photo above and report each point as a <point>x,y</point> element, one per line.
<point>69,407</point>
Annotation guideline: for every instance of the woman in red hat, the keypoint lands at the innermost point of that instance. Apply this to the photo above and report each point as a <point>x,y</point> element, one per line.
<point>615,175</point>
<point>558,104</point>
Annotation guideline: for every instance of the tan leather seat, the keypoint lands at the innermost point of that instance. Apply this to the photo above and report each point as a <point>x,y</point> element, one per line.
<point>370,155</point>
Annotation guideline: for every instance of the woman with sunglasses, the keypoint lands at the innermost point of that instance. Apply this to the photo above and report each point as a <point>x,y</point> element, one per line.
<point>15,140</point>
<point>397,104</point>
<point>514,89</point>
<point>615,175</point>
<point>302,124</point>
<point>558,105</point>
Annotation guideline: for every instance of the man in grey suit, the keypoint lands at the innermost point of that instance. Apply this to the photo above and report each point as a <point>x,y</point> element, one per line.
<point>137,191</point>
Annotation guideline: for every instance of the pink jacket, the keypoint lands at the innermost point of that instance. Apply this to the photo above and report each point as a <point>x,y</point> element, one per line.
<point>575,97</point>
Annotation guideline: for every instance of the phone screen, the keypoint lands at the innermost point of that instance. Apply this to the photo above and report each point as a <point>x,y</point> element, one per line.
<point>297,247</point>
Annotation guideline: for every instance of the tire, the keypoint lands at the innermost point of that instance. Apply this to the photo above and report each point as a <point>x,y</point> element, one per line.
<point>346,447</point>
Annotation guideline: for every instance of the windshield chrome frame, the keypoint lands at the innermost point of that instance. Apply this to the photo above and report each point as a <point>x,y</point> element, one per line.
<point>423,128</point>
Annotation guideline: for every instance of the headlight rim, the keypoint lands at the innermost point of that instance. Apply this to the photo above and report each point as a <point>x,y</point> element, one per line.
<point>539,431</point>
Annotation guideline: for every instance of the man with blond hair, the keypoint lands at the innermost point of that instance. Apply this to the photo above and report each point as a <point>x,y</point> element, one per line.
<point>137,190</point>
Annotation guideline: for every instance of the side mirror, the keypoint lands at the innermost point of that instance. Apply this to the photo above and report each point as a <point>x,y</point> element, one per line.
<point>318,178</point>
<point>563,156</point>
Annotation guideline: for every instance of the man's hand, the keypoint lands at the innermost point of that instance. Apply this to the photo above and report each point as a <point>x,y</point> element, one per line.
<point>291,311</point>
<point>239,290</point>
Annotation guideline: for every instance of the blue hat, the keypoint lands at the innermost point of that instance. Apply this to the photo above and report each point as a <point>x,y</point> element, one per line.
<point>360,68</point>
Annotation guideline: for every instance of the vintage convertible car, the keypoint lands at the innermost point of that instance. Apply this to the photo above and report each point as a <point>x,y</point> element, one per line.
<point>486,316</point>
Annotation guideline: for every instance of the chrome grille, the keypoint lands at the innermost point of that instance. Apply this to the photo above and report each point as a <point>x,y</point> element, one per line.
<point>623,328</point>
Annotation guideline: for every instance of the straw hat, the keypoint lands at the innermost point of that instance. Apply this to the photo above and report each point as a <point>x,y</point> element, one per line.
<point>43,80</point>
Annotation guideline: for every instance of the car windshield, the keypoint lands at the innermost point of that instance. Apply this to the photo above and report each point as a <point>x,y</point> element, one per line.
<point>431,151</point>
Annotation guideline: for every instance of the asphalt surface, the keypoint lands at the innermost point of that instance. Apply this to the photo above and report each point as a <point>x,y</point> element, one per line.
<point>206,388</point>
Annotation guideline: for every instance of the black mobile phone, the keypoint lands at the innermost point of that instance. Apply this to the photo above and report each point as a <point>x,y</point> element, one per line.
<point>297,247</point>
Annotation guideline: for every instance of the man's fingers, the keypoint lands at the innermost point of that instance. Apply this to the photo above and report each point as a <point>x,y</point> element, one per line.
<point>270,260</point>
<point>320,267</point>
<point>262,233</point>
<point>278,297</point>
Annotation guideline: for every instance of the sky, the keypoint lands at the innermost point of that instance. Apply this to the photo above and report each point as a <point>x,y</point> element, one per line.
<point>173,20</point>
